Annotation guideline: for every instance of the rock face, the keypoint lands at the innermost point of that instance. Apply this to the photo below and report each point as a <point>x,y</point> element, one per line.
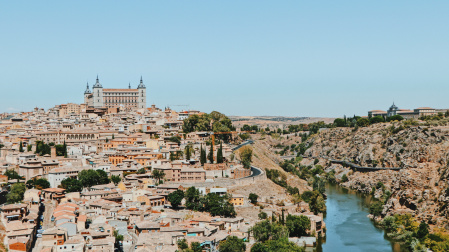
<point>419,188</point>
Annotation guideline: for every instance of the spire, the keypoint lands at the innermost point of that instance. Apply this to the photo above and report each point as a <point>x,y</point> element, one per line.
<point>97,83</point>
<point>141,85</point>
<point>87,89</point>
<point>129,86</point>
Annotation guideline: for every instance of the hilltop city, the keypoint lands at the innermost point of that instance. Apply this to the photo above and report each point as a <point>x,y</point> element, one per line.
<point>113,174</point>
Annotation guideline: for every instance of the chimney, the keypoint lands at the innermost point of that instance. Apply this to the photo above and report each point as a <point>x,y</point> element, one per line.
<point>53,152</point>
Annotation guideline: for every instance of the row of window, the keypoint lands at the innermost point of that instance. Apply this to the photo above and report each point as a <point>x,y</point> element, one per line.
<point>122,94</point>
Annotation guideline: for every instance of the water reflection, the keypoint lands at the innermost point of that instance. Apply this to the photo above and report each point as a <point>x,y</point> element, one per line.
<point>347,224</point>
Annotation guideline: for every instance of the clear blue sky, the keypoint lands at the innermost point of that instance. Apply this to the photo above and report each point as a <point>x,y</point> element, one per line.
<point>291,58</point>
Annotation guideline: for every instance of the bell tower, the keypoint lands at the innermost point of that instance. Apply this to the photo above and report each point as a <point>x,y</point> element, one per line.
<point>97,95</point>
<point>142,99</point>
<point>86,94</point>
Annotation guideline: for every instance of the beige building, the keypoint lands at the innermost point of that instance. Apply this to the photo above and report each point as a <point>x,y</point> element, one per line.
<point>69,109</point>
<point>112,98</point>
<point>405,113</point>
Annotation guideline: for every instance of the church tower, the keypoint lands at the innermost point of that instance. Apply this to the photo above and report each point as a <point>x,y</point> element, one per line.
<point>87,93</point>
<point>97,95</point>
<point>142,100</point>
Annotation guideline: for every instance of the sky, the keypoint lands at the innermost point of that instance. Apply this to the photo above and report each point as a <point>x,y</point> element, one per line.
<point>284,58</point>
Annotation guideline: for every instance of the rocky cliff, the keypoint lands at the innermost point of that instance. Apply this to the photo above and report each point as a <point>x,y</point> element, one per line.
<point>420,187</point>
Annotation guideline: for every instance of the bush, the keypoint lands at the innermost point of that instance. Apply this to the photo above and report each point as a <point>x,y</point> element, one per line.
<point>262,215</point>
<point>246,154</point>
<point>344,178</point>
<point>395,118</point>
<point>363,122</point>
<point>253,198</point>
<point>376,208</point>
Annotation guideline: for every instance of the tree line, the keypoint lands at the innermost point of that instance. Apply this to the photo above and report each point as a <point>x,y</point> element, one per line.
<point>212,203</point>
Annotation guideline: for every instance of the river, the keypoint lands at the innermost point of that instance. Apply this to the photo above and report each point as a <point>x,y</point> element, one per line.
<point>347,224</point>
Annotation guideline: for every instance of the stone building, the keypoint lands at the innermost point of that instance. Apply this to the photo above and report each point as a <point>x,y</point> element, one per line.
<point>129,98</point>
<point>406,113</point>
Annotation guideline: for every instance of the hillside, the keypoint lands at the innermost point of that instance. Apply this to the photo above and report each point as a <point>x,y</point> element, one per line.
<point>420,187</point>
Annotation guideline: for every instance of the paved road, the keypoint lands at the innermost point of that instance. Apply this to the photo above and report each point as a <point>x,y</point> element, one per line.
<point>49,208</point>
<point>255,172</point>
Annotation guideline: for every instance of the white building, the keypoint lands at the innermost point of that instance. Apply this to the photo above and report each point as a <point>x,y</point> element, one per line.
<point>111,98</point>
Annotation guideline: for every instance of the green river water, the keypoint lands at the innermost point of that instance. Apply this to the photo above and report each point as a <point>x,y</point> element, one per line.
<point>348,227</point>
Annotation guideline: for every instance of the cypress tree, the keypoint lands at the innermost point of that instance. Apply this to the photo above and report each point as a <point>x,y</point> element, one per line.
<point>211,154</point>
<point>64,149</point>
<point>187,152</point>
<point>202,155</point>
<point>21,146</point>
<point>220,154</point>
<point>283,217</point>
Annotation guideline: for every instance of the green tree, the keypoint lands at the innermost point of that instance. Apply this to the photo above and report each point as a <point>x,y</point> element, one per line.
<point>376,119</point>
<point>158,175</point>
<point>232,244</point>
<point>202,155</point>
<point>210,156</point>
<point>395,118</point>
<point>363,122</point>
<point>339,122</point>
<point>196,247</point>
<point>298,225</point>
<point>175,139</point>
<point>41,183</point>
<point>253,198</point>
<point>214,121</point>
<point>176,198</point>
<point>344,178</point>
<point>317,204</point>
<point>29,146</point>
<point>16,193</point>
<point>376,208</point>
<point>219,205</point>
<point>246,154</point>
<point>266,230</point>
<point>12,174</point>
<point>193,199</point>
<point>90,178</point>
<point>220,154</point>
<point>118,239</point>
<point>64,146</point>
<point>182,244</point>
<point>21,146</point>
<point>115,179</point>
<point>141,171</point>
<point>103,177</point>
<point>278,245</point>
<point>262,215</point>
<point>246,127</point>
<point>423,230</point>
<point>187,151</point>
<point>71,185</point>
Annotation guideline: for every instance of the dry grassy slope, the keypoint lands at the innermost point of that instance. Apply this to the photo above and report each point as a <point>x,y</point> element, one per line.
<point>422,151</point>
<point>263,157</point>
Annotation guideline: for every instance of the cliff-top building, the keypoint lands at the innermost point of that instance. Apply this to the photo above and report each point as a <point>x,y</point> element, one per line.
<point>406,113</point>
<point>111,98</point>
